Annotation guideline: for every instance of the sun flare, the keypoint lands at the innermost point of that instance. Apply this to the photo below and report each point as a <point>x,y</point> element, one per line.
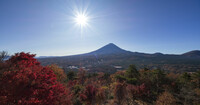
<point>81,19</point>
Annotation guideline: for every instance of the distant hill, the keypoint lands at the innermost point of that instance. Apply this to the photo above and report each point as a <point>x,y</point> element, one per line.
<point>110,56</point>
<point>38,57</point>
<point>195,53</point>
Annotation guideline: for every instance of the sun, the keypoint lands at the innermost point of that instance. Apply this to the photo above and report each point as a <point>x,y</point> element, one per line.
<point>81,19</point>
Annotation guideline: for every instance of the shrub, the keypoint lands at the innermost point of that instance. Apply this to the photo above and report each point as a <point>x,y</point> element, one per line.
<point>30,83</point>
<point>120,92</point>
<point>166,98</point>
<point>60,74</point>
<point>89,95</point>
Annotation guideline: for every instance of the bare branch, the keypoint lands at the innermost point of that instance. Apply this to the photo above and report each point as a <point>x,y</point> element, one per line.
<point>3,55</point>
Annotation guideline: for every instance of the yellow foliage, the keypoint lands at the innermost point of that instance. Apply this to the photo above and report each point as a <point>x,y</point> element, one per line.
<point>166,98</point>
<point>60,74</point>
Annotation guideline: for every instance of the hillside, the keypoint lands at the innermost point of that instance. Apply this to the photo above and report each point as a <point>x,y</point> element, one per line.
<point>24,79</point>
<point>109,56</point>
<point>195,53</point>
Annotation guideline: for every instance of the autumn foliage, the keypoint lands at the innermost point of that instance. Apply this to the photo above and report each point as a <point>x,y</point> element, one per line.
<point>89,95</point>
<point>137,92</point>
<point>30,83</point>
<point>120,92</point>
<point>24,81</point>
<point>166,98</point>
<point>23,60</point>
<point>60,74</point>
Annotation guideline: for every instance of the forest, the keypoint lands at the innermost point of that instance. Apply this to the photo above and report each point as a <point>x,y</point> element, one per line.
<point>24,81</point>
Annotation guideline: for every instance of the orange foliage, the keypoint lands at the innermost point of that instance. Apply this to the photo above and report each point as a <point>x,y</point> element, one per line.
<point>166,98</point>
<point>60,74</point>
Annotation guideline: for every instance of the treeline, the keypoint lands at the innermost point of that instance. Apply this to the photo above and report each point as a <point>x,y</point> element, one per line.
<point>24,81</point>
<point>106,63</point>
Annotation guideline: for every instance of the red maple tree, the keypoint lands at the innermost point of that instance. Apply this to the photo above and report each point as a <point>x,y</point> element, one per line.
<point>30,83</point>
<point>89,95</point>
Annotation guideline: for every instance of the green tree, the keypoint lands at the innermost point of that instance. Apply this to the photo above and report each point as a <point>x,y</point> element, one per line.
<point>71,75</point>
<point>196,79</point>
<point>185,79</point>
<point>132,72</point>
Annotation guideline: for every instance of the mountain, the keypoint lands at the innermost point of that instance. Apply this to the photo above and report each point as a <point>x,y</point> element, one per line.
<point>194,53</point>
<point>109,49</point>
<point>110,56</point>
<point>159,54</point>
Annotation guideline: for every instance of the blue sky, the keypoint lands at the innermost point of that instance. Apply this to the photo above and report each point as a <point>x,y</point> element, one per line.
<point>47,27</point>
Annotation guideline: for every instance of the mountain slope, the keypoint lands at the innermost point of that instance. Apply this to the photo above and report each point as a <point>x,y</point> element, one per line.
<point>109,49</point>
<point>194,53</point>
<point>110,56</point>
